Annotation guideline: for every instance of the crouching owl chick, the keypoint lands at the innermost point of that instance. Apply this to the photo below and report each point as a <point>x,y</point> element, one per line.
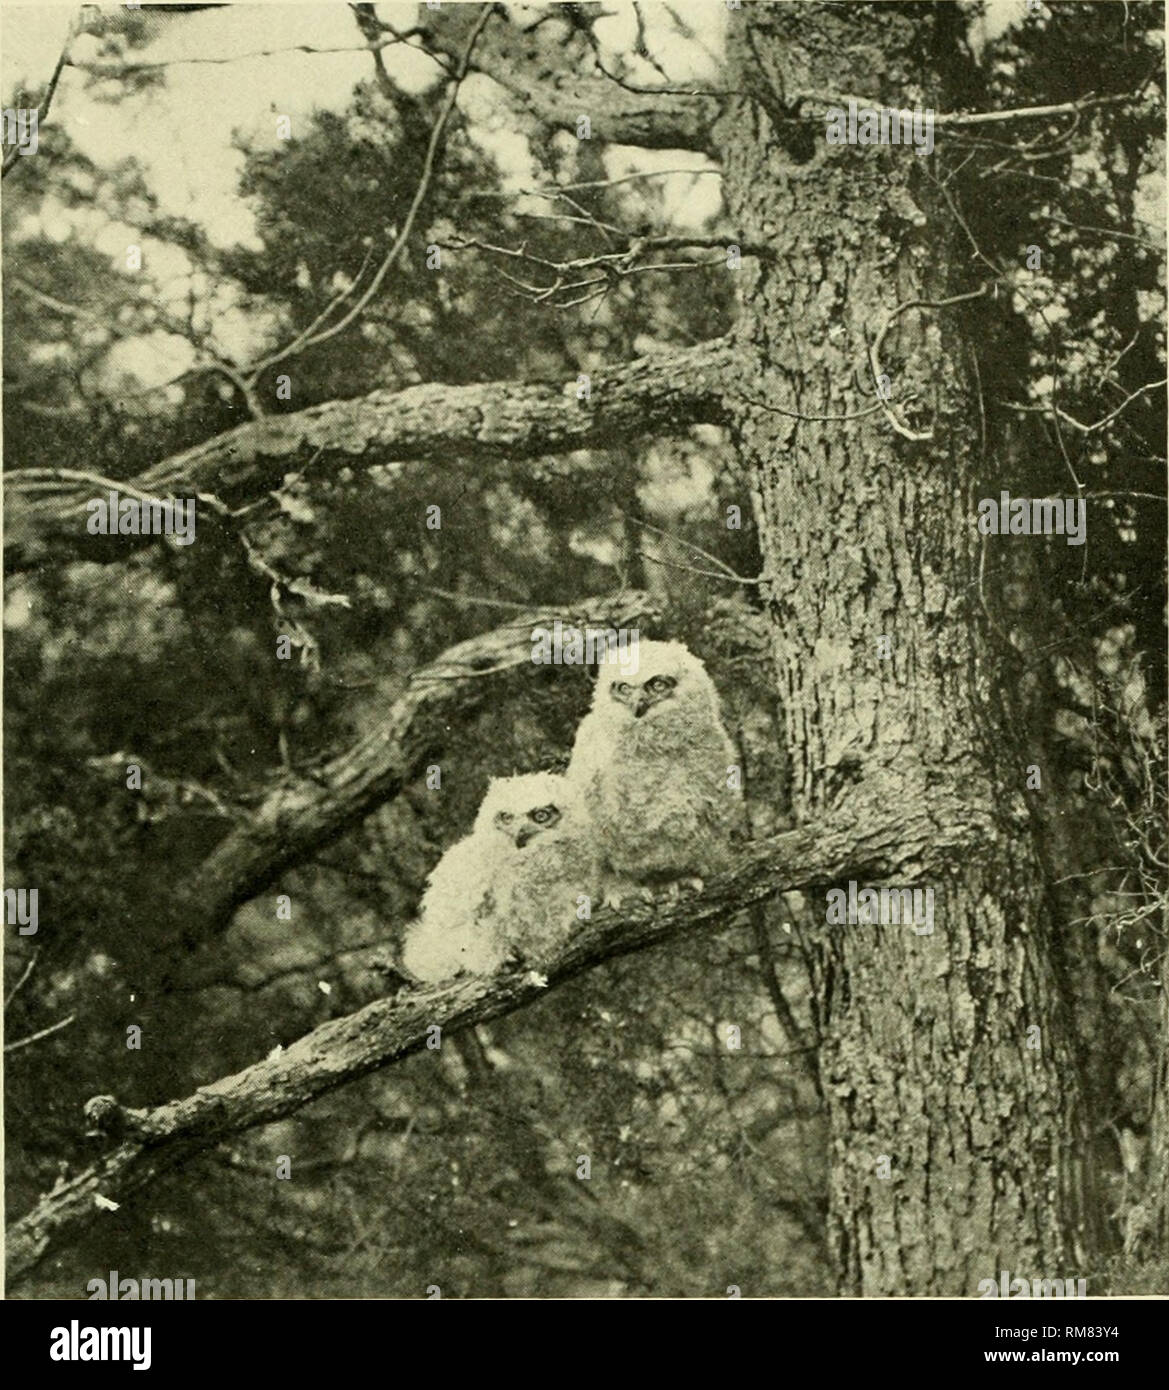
<point>653,761</point>
<point>513,887</point>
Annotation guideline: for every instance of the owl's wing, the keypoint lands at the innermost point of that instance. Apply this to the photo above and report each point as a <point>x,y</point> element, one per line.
<point>719,804</point>
<point>454,930</point>
<point>723,822</point>
<point>541,901</point>
<point>458,881</point>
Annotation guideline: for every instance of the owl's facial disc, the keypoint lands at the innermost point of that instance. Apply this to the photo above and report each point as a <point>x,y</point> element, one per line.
<point>642,698</point>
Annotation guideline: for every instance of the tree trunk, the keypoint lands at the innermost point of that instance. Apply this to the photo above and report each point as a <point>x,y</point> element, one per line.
<point>930,1056</point>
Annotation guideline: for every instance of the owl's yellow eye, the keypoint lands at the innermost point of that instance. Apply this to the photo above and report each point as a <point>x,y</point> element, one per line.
<point>661,684</point>
<point>505,816</point>
<point>622,687</point>
<point>543,814</point>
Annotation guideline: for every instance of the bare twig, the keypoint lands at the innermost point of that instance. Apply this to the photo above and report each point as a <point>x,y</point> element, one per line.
<point>308,338</point>
<point>24,974</point>
<point>125,69</point>
<point>974,118</point>
<point>799,415</point>
<point>875,349</point>
<point>1104,231</point>
<point>11,155</point>
<point>612,265</point>
<point>36,1037</point>
<point>1053,409</point>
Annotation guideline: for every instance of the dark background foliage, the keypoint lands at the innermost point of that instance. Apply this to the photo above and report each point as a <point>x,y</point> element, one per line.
<point>708,1164</point>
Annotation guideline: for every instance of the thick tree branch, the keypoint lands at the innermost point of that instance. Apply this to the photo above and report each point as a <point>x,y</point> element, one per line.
<point>295,820</point>
<point>531,67</point>
<point>153,1142</point>
<point>502,421</point>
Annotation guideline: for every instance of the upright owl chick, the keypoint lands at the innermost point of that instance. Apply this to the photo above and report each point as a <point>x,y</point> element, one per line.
<point>652,760</point>
<point>513,886</point>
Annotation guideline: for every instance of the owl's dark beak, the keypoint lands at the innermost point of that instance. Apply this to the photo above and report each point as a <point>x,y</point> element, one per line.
<point>523,835</point>
<point>640,707</point>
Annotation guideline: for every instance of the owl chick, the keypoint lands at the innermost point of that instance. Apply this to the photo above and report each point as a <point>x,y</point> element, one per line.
<point>652,760</point>
<point>513,887</point>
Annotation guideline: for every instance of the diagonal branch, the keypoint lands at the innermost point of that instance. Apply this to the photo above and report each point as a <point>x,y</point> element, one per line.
<point>42,110</point>
<point>530,66</point>
<point>153,1142</point>
<point>501,421</point>
<point>295,820</point>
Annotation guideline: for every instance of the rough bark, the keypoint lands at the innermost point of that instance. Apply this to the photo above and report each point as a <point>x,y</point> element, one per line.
<point>534,68</point>
<point>502,422</point>
<point>152,1142</point>
<point>1158,1202</point>
<point>867,534</point>
<point>905,769</point>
